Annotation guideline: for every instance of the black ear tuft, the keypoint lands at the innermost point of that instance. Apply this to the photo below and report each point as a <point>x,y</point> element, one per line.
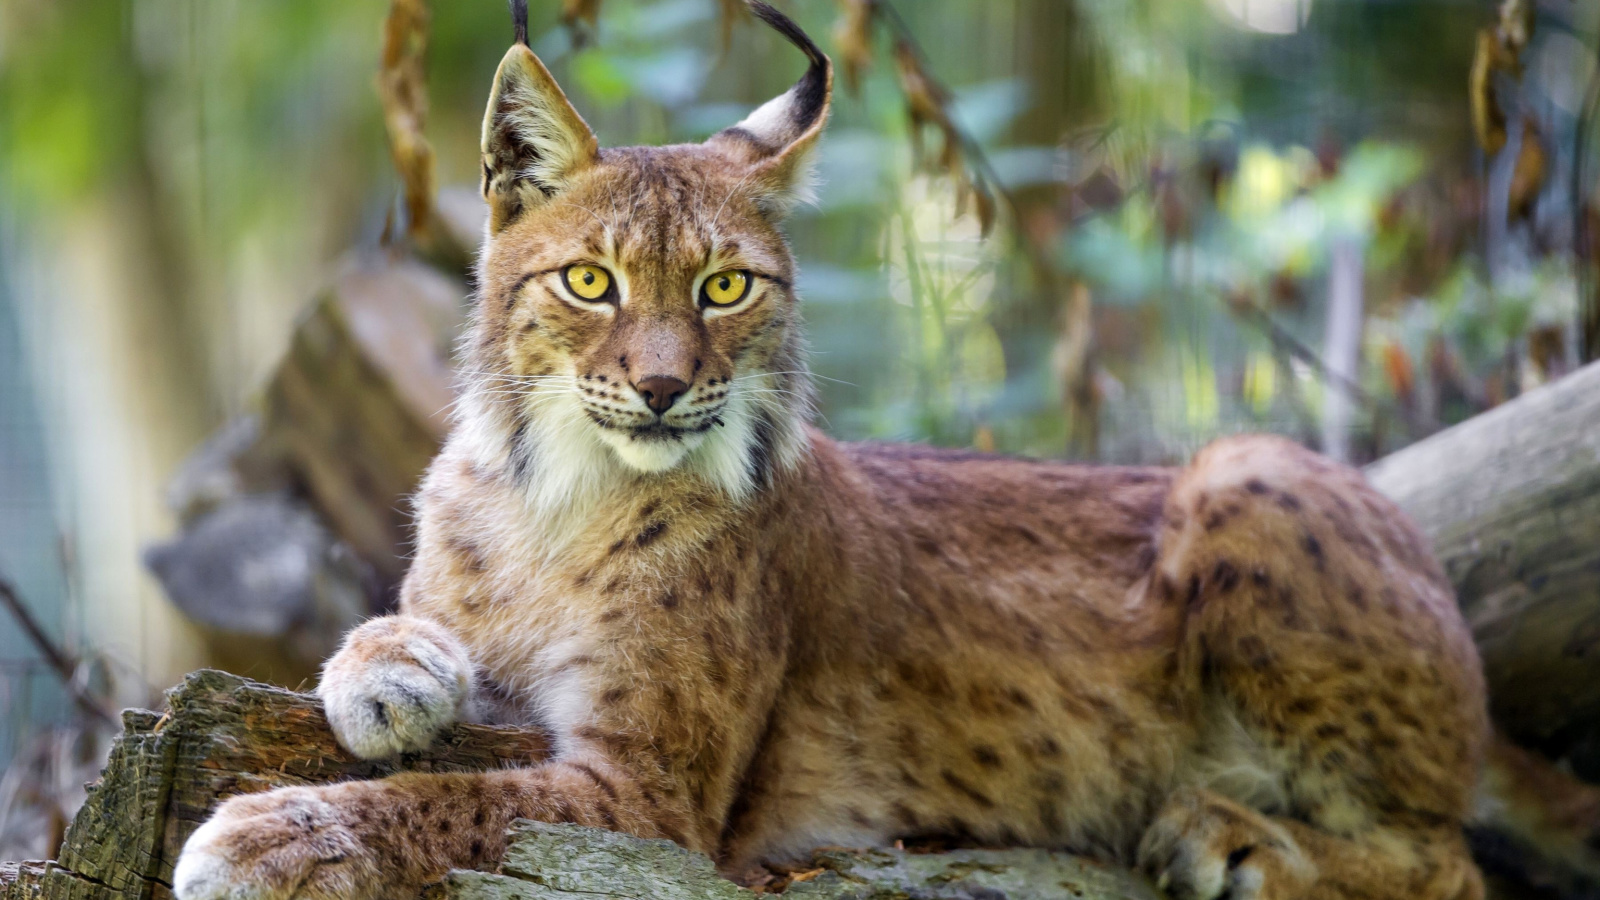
<point>519,20</point>
<point>810,94</point>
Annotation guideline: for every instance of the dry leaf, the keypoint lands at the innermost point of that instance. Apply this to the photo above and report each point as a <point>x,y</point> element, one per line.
<point>581,18</point>
<point>1499,49</point>
<point>403,92</point>
<point>1398,369</point>
<point>1547,349</point>
<point>853,35</point>
<point>1488,122</point>
<point>1527,176</point>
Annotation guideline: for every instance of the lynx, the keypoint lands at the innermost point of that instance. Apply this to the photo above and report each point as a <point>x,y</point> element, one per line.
<point>1247,676</point>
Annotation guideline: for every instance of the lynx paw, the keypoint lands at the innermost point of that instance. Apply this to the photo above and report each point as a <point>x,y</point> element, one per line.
<point>1203,847</point>
<point>394,685</point>
<point>274,846</point>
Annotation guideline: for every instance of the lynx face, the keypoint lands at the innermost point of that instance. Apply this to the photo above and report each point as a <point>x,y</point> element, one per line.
<point>636,313</point>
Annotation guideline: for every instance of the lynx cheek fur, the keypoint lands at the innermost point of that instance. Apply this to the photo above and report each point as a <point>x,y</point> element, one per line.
<point>1247,676</point>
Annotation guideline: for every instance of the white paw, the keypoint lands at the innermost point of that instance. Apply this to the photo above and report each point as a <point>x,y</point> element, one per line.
<point>394,685</point>
<point>273,846</point>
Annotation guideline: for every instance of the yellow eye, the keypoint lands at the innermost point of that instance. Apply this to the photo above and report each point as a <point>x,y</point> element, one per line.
<point>726,288</point>
<point>588,282</point>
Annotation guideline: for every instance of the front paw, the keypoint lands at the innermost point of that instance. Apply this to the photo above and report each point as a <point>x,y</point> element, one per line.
<point>1204,847</point>
<point>394,685</point>
<point>274,846</point>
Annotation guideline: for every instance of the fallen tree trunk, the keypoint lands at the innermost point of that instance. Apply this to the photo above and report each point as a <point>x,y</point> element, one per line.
<point>224,735</point>
<point>1511,499</point>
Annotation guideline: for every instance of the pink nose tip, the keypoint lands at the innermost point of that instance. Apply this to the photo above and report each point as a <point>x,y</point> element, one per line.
<point>660,391</point>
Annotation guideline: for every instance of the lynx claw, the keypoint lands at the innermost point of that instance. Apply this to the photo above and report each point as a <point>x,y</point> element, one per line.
<point>393,686</point>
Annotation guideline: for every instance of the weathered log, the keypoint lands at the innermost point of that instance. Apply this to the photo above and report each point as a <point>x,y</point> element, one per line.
<point>223,735</point>
<point>554,862</point>
<point>360,403</point>
<point>1511,499</point>
<point>295,516</point>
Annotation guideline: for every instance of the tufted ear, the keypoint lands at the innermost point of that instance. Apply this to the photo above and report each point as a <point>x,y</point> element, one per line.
<point>778,140</point>
<point>534,142</point>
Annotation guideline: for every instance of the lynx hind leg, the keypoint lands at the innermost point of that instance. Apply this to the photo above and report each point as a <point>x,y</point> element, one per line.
<point>395,683</point>
<point>1335,665</point>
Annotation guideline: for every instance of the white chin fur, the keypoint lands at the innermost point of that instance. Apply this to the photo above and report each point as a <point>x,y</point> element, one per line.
<point>650,456</point>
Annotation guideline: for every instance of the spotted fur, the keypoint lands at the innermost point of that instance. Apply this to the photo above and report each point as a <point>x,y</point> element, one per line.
<point>1248,675</point>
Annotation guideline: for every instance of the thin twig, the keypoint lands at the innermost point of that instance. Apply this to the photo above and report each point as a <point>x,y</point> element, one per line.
<point>53,655</point>
<point>1294,347</point>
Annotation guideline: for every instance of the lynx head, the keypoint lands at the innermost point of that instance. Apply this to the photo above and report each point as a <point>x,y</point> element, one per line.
<point>636,315</point>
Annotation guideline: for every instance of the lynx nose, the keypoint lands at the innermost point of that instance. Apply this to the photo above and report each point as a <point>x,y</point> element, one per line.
<point>660,391</point>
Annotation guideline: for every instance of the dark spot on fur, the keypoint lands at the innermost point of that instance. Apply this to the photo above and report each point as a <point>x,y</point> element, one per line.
<point>955,781</point>
<point>1225,576</point>
<point>1304,706</point>
<point>1289,501</point>
<point>986,756</point>
<point>1256,486</point>
<point>1313,548</point>
<point>650,534</point>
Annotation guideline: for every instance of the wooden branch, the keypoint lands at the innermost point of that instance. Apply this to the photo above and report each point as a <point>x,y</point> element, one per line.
<point>65,668</point>
<point>1511,499</point>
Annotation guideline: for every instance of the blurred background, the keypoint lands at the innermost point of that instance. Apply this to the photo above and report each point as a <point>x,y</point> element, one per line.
<point>235,236</point>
